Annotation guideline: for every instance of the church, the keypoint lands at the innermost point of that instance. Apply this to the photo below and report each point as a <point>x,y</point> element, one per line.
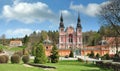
<point>70,38</point>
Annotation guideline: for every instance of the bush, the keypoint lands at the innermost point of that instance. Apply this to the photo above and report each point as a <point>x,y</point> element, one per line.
<point>20,53</point>
<point>66,56</point>
<point>91,55</point>
<point>80,60</point>
<point>15,58</point>
<point>71,54</point>
<point>25,58</point>
<point>106,57</point>
<point>97,55</point>
<point>4,59</point>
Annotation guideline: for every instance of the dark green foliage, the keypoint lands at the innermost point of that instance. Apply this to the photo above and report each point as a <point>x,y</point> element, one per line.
<point>66,56</point>
<point>71,54</point>
<point>91,54</point>
<point>80,60</point>
<point>97,55</point>
<point>40,56</point>
<point>25,58</point>
<point>15,58</point>
<point>25,40</point>
<point>55,55</point>
<point>106,57</point>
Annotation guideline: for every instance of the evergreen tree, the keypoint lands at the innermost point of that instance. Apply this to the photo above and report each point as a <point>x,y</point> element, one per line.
<point>55,55</point>
<point>71,54</point>
<point>40,56</point>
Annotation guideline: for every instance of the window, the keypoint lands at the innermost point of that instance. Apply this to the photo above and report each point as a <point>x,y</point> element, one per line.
<point>79,39</point>
<point>46,47</point>
<point>70,38</point>
<point>62,39</point>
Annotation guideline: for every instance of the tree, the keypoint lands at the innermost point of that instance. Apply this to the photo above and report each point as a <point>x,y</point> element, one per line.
<point>3,38</point>
<point>25,40</point>
<point>40,56</point>
<point>97,55</point>
<point>55,56</point>
<point>91,54</point>
<point>71,54</point>
<point>110,14</point>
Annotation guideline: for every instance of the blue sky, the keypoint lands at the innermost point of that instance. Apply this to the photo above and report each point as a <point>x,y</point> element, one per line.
<point>21,17</point>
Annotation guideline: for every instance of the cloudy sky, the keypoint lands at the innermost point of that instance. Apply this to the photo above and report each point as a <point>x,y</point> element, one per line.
<point>20,17</point>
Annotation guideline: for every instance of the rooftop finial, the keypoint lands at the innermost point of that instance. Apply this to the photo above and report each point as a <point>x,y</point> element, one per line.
<point>61,18</point>
<point>78,21</point>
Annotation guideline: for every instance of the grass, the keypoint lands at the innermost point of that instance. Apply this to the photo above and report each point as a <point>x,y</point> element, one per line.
<point>17,67</point>
<point>76,66</point>
<point>15,49</point>
<point>61,66</point>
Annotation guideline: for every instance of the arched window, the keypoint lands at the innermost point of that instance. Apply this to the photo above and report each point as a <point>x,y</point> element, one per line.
<point>70,38</point>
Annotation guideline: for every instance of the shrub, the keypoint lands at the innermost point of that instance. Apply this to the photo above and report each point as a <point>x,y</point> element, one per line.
<point>6,58</point>
<point>25,58</point>
<point>80,60</point>
<point>2,59</point>
<point>71,54</point>
<point>66,56</point>
<point>15,58</point>
<point>40,56</point>
<point>20,53</point>
<point>106,57</point>
<point>97,55</point>
<point>91,54</point>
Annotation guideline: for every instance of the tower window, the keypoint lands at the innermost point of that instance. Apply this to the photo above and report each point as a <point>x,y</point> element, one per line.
<point>79,39</point>
<point>70,38</point>
<point>61,39</point>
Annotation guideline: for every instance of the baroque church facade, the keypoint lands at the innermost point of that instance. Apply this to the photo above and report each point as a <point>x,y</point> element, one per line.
<point>70,38</point>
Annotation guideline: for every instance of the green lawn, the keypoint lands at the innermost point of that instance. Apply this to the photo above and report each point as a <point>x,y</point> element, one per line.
<point>61,66</point>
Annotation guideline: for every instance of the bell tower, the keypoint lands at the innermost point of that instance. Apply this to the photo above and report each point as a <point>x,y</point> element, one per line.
<point>61,34</point>
<point>79,33</point>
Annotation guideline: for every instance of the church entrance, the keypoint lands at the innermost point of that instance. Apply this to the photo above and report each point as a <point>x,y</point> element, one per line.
<point>77,52</point>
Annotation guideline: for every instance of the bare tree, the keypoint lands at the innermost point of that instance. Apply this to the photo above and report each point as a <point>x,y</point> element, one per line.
<point>110,13</point>
<point>3,39</point>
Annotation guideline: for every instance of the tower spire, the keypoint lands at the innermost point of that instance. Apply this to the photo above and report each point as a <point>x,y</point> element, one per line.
<point>78,21</point>
<point>61,21</point>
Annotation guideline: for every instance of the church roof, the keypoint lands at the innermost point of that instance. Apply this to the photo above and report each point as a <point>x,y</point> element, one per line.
<point>61,22</point>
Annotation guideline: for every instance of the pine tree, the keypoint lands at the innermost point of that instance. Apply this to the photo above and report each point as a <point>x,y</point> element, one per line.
<point>55,55</point>
<point>40,56</point>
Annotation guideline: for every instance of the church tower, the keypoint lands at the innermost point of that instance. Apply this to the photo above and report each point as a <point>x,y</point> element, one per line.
<point>79,33</point>
<point>61,34</point>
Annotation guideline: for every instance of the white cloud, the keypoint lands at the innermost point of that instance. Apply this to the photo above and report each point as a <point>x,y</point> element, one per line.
<point>28,12</point>
<point>92,9</point>
<point>18,32</point>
